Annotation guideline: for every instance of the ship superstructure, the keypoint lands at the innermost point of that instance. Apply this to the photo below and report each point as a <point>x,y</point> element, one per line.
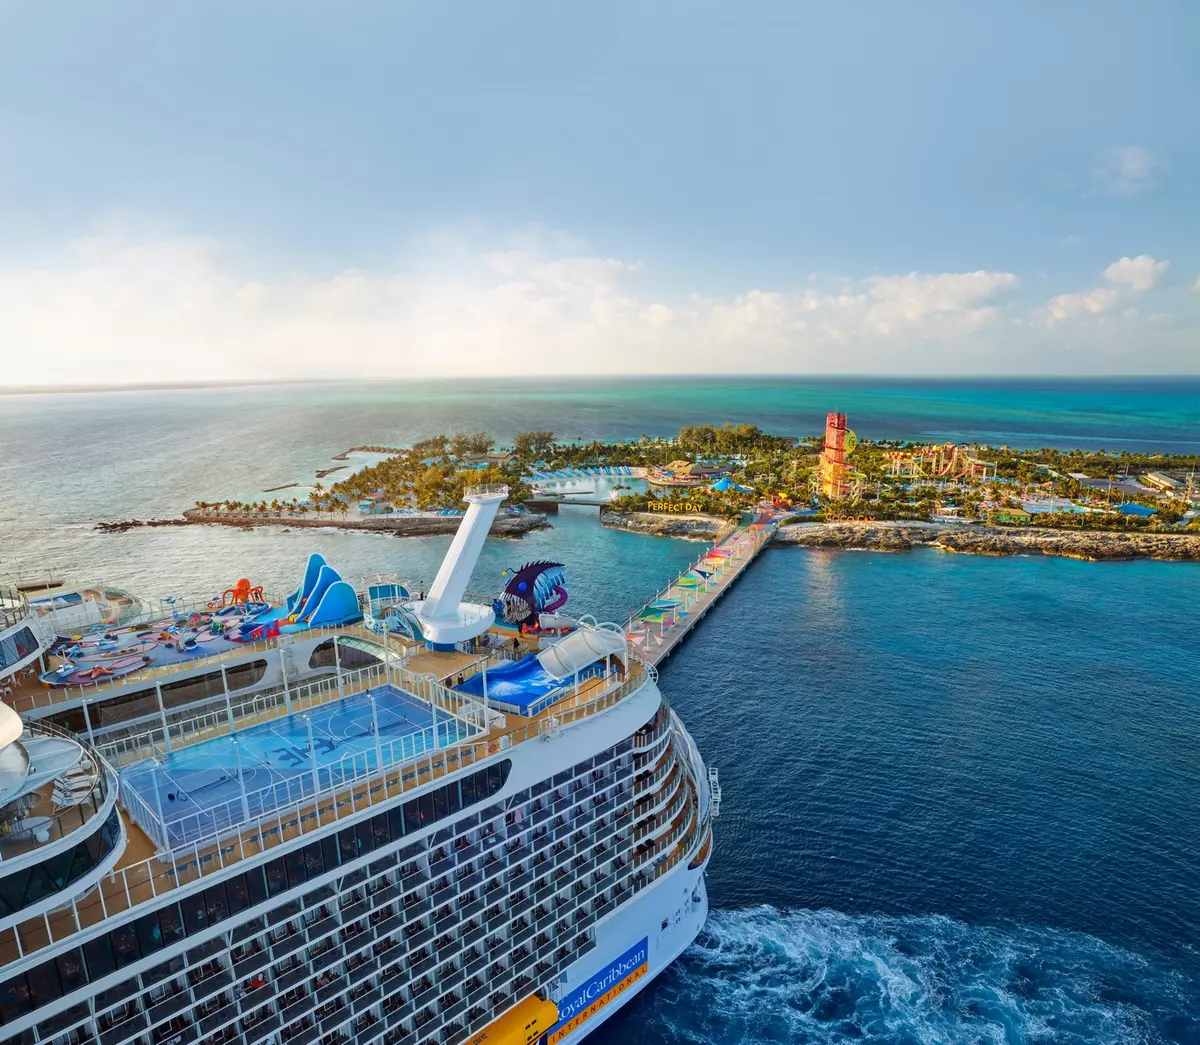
<point>504,853</point>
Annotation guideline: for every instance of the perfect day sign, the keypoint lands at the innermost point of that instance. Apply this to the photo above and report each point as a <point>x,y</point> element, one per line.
<point>585,1001</point>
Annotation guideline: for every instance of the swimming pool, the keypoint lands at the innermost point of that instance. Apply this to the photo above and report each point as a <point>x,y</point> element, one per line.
<point>523,686</point>
<point>205,788</point>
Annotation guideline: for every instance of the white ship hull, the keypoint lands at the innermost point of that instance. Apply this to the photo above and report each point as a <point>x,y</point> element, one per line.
<point>680,902</point>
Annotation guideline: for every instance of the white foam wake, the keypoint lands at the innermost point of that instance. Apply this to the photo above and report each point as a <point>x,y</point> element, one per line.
<point>764,975</point>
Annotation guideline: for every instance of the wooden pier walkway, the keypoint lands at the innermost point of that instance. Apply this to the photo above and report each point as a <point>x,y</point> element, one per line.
<point>662,622</point>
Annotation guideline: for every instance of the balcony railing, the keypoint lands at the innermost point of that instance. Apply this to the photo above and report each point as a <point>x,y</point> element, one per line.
<point>14,607</point>
<point>18,840</point>
<point>129,887</point>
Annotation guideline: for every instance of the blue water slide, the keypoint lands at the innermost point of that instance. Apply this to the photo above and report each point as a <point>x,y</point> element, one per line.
<point>326,577</point>
<point>338,604</point>
<point>316,562</point>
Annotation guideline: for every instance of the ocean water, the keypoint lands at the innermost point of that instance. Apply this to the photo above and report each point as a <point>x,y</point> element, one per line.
<point>962,795</point>
<point>961,803</point>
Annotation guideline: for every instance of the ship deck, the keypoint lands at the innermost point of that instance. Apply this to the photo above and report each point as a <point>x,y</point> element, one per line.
<point>27,691</point>
<point>143,872</point>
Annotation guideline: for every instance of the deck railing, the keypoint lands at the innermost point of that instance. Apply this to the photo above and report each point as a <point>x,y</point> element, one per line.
<point>35,699</point>
<point>124,889</point>
<point>16,842</point>
<point>14,607</point>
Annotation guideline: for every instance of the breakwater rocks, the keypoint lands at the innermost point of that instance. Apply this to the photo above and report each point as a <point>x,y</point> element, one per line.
<point>694,527</point>
<point>1094,545</point>
<point>396,525</point>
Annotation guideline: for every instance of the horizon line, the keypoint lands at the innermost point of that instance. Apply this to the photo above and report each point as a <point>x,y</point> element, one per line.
<point>182,386</point>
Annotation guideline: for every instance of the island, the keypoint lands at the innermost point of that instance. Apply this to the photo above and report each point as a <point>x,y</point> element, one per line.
<point>829,490</point>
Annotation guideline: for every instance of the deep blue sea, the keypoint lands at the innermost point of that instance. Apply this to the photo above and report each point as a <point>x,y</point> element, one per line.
<point>961,795</point>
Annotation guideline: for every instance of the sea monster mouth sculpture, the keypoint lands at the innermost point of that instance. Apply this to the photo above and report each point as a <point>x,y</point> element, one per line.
<point>536,588</point>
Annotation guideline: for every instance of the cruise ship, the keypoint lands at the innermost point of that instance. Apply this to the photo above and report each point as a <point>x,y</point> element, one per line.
<point>461,836</point>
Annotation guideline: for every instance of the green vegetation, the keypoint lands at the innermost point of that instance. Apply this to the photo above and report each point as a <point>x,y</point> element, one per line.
<point>434,472</point>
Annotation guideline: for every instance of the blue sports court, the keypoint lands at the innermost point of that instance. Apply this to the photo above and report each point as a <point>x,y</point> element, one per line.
<point>207,787</point>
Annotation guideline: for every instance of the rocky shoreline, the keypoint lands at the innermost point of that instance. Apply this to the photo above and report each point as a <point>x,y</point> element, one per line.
<point>395,525</point>
<point>660,524</point>
<point>1091,545</point>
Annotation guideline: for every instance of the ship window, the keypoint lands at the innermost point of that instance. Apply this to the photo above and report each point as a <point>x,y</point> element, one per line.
<point>276,877</point>
<point>125,945</point>
<point>379,829</point>
<point>395,818</point>
<point>441,805</point>
<point>15,1000</point>
<point>71,971</point>
<point>194,916</point>
<point>329,850</point>
<point>468,789</point>
<point>363,833</point>
<point>99,957</point>
<point>412,816</point>
<point>170,921</point>
<point>242,675</point>
<point>44,987</point>
<point>215,903</point>
<point>496,778</point>
<point>63,1019</point>
<point>425,806</point>
<point>348,844</point>
<point>313,864</point>
<point>294,863</point>
<point>238,894</point>
<point>149,933</point>
<point>256,885</point>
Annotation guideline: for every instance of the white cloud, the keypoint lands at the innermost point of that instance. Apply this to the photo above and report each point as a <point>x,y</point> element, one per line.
<point>118,308</point>
<point>1138,274</point>
<point>1087,303</point>
<point>1125,275</point>
<point>115,308</point>
<point>1124,170</point>
<point>1196,286</point>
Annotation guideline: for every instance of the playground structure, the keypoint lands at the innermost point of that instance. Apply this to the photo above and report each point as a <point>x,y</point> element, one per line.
<point>945,461</point>
<point>199,629</point>
<point>242,594</point>
<point>837,478</point>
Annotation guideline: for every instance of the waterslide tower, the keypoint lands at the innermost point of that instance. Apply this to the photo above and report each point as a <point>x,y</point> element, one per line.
<point>445,619</point>
<point>839,441</point>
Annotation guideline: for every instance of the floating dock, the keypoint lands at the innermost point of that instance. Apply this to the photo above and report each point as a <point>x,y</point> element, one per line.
<point>663,621</point>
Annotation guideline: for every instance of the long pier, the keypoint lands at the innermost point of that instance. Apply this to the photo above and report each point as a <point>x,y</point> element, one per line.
<point>662,622</point>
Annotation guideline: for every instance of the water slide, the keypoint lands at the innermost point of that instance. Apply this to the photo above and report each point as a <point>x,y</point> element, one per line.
<point>322,599</point>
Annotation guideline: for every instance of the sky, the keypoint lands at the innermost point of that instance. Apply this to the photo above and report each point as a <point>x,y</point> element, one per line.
<point>212,190</point>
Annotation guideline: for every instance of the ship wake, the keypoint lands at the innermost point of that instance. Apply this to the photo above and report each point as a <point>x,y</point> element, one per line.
<point>764,975</point>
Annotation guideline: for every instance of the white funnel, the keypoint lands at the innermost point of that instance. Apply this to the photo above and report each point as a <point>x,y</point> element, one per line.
<point>444,617</point>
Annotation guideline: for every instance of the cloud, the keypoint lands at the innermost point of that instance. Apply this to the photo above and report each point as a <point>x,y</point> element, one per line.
<point>1125,276</point>
<point>118,308</point>
<point>1125,170</point>
<point>1196,286</point>
<point>1089,302</point>
<point>1138,274</point>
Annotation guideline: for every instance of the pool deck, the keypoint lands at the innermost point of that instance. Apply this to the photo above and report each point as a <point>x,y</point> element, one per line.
<point>141,874</point>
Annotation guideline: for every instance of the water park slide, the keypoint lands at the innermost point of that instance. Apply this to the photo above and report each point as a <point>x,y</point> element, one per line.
<point>322,599</point>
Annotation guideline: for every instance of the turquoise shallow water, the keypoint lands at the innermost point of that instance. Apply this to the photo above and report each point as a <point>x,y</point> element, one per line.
<point>961,794</point>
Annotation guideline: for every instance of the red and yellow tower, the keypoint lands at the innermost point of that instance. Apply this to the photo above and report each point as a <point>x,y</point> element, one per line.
<point>839,441</point>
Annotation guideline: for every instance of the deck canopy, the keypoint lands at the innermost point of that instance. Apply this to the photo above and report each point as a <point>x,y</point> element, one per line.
<point>581,648</point>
